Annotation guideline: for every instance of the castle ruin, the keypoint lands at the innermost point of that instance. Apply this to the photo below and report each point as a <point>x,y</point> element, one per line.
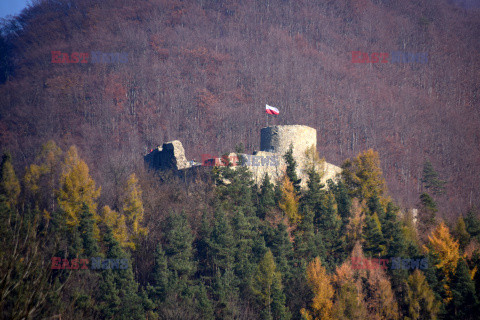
<point>274,143</point>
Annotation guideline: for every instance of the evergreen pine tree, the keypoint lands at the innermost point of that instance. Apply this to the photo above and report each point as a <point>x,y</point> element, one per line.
<point>329,224</point>
<point>267,197</point>
<point>307,243</point>
<point>472,224</point>
<point>464,303</point>
<point>158,290</point>
<point>426,215</point>
<point>86,229</point>
<point>314,195</point>
<point>282,249</point>
<point>235,189</point>
<point>392,232</point>
<point>204,250</point>
<point>205,307</point>
<point>373,236</point>
<point>292,169</point>
<point>374,206</point>
<point>118,292</point>
<point>226,291</point>
<point>244,241</point>
<point>430,179</point>
<point>222,243</point>
<point>344,202</point>
<point>179,252</point>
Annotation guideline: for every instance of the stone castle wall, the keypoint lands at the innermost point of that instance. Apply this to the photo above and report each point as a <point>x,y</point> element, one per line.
<point>274,143</point>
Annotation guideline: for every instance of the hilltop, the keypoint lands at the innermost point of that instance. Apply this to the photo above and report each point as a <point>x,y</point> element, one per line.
<point>201,72</point>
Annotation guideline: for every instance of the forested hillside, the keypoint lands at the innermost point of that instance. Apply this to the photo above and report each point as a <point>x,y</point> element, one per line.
<point>227,249</point>
<point>88,231</point>
<point>201,72</point>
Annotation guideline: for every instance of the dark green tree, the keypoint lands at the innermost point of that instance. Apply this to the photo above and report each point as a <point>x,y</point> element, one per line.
<point>292,169</point>
<point>118,294</point>
<point>282,249</point>
<point>205,306</point>
<point>158,289</point>
<point>308,244</point>
<point>329,223</point>
<point>222,243</point>
<point>430,179</point>
<point>373,236</point>
<point>179,252</point>
<point>472,223</point>
<point>392,231</point>
<point>344,202</point>
<point>464,302</point>
<point>235,189</point>
<point>374,206</point>
<point>426,215</point>
<point>204,250</point>
<point>26,284</point>
<point>314,195</point>
<point>86,227</point>
<point>245,260</point>
<point>266,198</point>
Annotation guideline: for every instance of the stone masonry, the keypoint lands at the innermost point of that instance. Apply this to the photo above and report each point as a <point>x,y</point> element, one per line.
<point>274,143</point>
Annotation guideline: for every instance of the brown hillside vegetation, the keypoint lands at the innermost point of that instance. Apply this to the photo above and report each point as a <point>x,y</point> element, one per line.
<point>202,71</point>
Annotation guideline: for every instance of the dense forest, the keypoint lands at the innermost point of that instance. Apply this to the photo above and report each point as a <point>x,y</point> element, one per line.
<point>225,248</point>
<point>201,72</point>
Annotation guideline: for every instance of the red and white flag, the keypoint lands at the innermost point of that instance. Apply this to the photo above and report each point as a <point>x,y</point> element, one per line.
<point>271,110</point>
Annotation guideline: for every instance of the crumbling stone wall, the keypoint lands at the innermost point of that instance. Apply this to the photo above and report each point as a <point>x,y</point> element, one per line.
<point>274,143</point>
<point>170,155</point>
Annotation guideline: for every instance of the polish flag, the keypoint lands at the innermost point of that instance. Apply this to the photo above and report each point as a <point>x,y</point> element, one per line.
<point>271,110</point>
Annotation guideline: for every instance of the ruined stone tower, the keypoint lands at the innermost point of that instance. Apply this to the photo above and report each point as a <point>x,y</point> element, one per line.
<point>277,139</point>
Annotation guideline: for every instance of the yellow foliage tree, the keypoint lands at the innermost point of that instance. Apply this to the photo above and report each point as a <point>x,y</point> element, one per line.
<point>364,176</point>
<point>76,188</point>
<point>9,185</point>
<point>43,175</point>
<point>133,206</point>
<point>319,282</point>
<point>289,201</point>
<point>116,222</point>
<point>443,247</point>
<point>420,298</point>
<point>349,304</point>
